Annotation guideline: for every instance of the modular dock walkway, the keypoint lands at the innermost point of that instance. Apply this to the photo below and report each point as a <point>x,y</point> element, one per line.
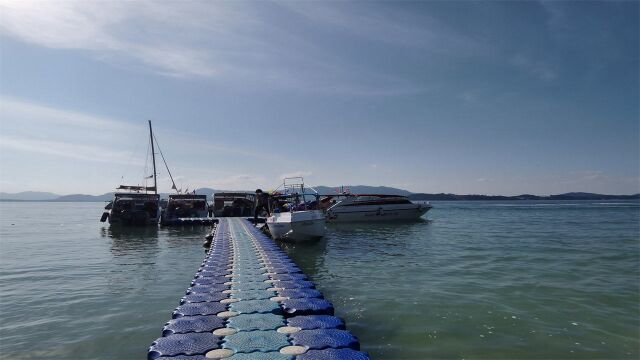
<point>249,301</point>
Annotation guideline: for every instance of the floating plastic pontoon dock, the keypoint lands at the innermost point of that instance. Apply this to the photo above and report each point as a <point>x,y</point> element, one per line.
<point>248,301</point>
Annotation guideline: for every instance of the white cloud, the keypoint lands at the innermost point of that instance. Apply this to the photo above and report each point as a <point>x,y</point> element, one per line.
<point>17,110</point>
<point>243,43</point>
<point>392,26</point>
<point>67,150</point>
<point>104,28</point>
<point>37,122</point>
<point>238,182</point>
<point>299,173</point>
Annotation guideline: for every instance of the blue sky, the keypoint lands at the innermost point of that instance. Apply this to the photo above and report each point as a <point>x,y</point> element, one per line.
<point>463,97</point>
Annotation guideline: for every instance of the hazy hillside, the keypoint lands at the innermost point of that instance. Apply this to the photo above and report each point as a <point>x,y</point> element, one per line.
<point>29,196</point>
<point>567,196</point>
<point>82,197</point>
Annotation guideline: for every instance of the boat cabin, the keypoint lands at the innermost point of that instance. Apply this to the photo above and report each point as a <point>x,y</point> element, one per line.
<point>186,206</point>
<point>135,209</point>
<point>227,204</point>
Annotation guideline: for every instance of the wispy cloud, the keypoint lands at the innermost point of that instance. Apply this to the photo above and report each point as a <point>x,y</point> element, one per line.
<point>14,109</point>
<point>67,150</point>
<point>538,68</point>
<point>41,123</point>
<point>299,173</point>
<point>59,135</point>
<point>238,182</point>
<point>244,42</point>
<point>393,26</point>
<point>104,28</point>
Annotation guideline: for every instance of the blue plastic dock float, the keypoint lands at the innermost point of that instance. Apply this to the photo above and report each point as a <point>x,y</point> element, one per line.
<point>249,301</point>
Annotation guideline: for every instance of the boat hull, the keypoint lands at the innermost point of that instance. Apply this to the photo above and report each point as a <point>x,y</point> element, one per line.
<point>376,213</point>
<point>137,218</point>
<point>299,226</point>
<point>131,209</point>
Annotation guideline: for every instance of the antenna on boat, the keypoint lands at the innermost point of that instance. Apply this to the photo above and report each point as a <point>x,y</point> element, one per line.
<point>153,156</point>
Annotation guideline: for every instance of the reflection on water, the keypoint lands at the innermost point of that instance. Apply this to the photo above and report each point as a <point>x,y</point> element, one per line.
<point>127,240</point>
<point>378,230</point>
<point>310,255</point>
<point>177,235</point>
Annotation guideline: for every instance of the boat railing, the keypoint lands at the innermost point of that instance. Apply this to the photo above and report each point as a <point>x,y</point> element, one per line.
<point>294,191</point>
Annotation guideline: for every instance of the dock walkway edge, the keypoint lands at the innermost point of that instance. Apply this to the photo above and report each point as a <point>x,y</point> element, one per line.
<point>250,301</point>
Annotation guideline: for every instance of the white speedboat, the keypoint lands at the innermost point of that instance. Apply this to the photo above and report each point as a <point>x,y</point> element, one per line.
<point>292,217</point>
<point>372,207</point>
<point>306,225</point>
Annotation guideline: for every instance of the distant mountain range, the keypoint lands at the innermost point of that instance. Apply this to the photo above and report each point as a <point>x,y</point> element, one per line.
<point>567,196</point>
<point>29,196</point>
<point>327,190</point>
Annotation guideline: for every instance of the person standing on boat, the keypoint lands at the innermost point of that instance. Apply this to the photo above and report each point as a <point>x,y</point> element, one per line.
<point>262,203</point>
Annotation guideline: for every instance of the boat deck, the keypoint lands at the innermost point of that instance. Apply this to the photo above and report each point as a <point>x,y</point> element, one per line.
<point>249,300</point>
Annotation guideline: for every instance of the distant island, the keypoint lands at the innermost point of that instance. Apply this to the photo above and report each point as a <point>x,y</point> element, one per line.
<point>327,190</point>
<point>567,196</point>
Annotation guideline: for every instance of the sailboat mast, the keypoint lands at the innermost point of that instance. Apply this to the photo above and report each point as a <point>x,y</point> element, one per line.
<point>153,156</point>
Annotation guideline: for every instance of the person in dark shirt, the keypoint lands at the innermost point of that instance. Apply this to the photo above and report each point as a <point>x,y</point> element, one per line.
<point>262,203</point>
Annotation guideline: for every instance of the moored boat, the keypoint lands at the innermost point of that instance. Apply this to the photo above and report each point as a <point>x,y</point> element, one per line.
<point>228,204</point>
<point>306,225</point>
<point>372,208</point>
<point>292,218</point>
<point>133,208</point>
<point>135,204</point>
<point>186,209</point>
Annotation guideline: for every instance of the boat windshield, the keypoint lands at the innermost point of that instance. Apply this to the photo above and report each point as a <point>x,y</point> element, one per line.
<point>361,200</point>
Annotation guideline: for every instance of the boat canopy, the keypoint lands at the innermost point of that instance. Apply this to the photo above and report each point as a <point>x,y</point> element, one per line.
<point>136,196</point>
<point>188,197</point>
<point>136,188</point>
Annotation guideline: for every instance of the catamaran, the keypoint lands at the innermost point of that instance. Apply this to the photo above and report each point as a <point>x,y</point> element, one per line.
<point>292,217</point>
<point>135,204</point>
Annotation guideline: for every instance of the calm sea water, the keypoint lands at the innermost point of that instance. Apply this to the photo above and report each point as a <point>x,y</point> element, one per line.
<point>483,280</point>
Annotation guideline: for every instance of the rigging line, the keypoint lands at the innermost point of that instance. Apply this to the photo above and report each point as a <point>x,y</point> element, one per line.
<point>146,166</point>
<point>165,164</point>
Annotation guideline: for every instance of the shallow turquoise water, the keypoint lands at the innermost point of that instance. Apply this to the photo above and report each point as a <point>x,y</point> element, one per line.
<point>485,280</point>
